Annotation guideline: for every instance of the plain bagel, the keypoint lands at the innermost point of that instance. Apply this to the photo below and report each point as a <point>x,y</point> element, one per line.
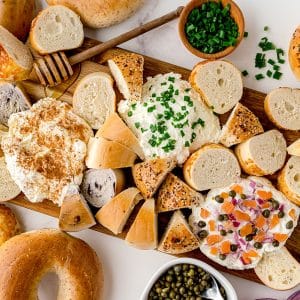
<point>27,257</point>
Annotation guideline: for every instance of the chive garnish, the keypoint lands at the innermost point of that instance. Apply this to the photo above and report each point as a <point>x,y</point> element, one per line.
<point>245,73</point>
<point>266,28</point>
<point>277,75</point>
<point>129,114</point>
<point>269,73</point>
<point>151,108</point>
<point>260,60</point>
<point>259,76</point>
<point>172,79</point>
<point>137,125</point>
<point>276,68</point>
<point>246,34</point>
<point>271,61</point>
<point>279,53</point>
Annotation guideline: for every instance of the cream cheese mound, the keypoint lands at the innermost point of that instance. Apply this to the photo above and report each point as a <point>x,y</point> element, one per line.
<point>171,120</point>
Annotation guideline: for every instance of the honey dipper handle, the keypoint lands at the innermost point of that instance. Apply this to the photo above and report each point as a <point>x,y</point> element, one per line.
<point>86,54</point>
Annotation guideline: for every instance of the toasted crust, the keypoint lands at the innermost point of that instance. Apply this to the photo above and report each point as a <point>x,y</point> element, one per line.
<point>178,237</point>
<point>175,194</point>
<point>241,125</point>
<point>114,214</point>
<point>149,175</point>
<point>143,232</point>
<point>114,129</point>
<point>294,51</point>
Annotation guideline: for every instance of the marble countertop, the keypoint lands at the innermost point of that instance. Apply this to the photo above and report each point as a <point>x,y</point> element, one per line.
<point>127,270</point>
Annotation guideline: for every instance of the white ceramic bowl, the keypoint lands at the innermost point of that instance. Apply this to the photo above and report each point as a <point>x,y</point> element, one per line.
<point>230,292</point>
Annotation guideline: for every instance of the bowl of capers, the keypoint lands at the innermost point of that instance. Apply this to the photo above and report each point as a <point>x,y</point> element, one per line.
<point>187,278</point>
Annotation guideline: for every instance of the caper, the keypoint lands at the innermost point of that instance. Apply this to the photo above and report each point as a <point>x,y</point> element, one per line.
<point>158,290</point>
<point>275,204</point>
<point>219,199</point>
<point>173,285</point>
<point>177,297</point>
<point>171,272</point>
<point>266,213</point>
<point>281,214</point>
<point>275,243</point>
<point>169,278</point>
<point>185,267</point>
<point>230,231</point>
<point>221,217</point>
<point>191,273</point>
<point>190,282</point>
<point>233,247</point>
<point>289,225</point>
<point>222,256</point>
<point>182,290</point>
<point>202,234</point>
<point>192,267</point>
<point>243,196</point>
<point>249,237</point>
<point>257,245</point>
<point>226,218</point>
<point>203,283</point>
<point>177,269</point>
<point>165,290</point>
<point>196,289</point>
<point>223,232</point>
<point>172,295</point>
<point>178,284</point>
<point>192,298</point>
<point>179,278</point>
<point>232,193</point>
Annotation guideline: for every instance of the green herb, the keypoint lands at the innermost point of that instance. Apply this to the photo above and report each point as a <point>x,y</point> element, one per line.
<point>169,146</point>
<point>153,128</point>
<point>279,53</point>
<point>271,62</point>
<point>193,137</point>
<point>245,73</point>
<point>276,68</point>
<point>246,34</point>
<point>187,144</point>
<point>269,73</point>
<point>163,83</point>
<point>153,95</point>
<point>259,76</point>
<point>143,130</point>
<point>176,92</point>
<point>137,125</point>
<point>151,108</point>
<point>187,90</point>
<point>266,28</point>
<point>182,133</point>
<point>133,106</point>
<point>277,75</point>
<point>172,79</point>
<point>266,45</point>
<point>260,60</point>
<point>129,114</point>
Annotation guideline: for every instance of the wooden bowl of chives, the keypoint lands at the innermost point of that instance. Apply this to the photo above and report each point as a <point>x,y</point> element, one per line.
<point>236,15</point>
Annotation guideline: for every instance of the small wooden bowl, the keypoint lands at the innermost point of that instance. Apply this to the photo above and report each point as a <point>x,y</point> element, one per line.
<point>236,14</point>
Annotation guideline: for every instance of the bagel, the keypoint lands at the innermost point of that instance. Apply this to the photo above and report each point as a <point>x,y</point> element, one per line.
<point>27,257</point>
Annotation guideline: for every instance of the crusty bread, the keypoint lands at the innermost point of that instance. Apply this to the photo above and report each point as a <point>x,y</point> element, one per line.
<point>175,194</point>
<point>178,237</point>
<point>282,107</point>
<point>75,214</point>
<point>127,70</point>
<point>289,180</point>
<point>13,98</point>
<point>294,50</point>
<point>56,28</point>
<point>219,83</point>
<point>212,166</point>
<point>241,125</point>
<point>114,129</point>
<point>8,189</point>
<point>94,98</point>
<point>9,224</point>
<point>263,154</point>
<point>149,175</point>
<point>114,214</point>
<point>3,132</point>
<point>108,155</point>
<point>294,149</point>
<point>143,232</point>
<point>279,270</point>
<point>101,13</point>
<point>16,59</point>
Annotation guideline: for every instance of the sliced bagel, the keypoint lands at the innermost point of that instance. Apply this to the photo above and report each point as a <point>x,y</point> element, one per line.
<point>241,125</point>
<point>263,154</point>
<point>289,180</point>
<point>294,149</point>
<point>282,107</point>
<point>149,175</point>
<point>143,232</point>
<point>212,166</point>
<point>114,214</point>
<point>175,194</point>
<point>219,83</point>
<point>279,270</point>
<point>294,51</point>
<point>178,237</point>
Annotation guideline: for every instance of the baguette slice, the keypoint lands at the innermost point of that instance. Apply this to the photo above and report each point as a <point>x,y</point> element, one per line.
<point>279,270</point>
<point>94,98</point>
<point>294,51</point>
<point>241,125</point>
<point>108,155</point>
<point>263,154</point>
<point>114,129</point>
<point>282,107</point>
<point>212,166</point>
<point>219,83</point>
<point>56,28</point>
<point>149,175</point>
<point>143,232</point>
<point>114,214</point>
<point>175,194</point>
<point>178,237</point>
<point>289,180</point>
<point>294,149</point>
<point>127,70</point>
<point>75,214</point>
<point>3,132</point>
<point>16,59</point>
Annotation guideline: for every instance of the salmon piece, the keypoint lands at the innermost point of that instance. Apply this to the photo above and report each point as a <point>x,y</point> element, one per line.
<point>250,203</point>
<point>274,221</point>
<point>264,195</point>
<point>247,256</point>
<point>224,195</point>
<point>260,221</point>
<point>246,229</point>
<point>227,207</point>
<point>213,239</point>
<point>237,188</point>
<point>266,204</point>
<point>280,237</point>
<point>252,253</point>
<point>241,216</point>
<point>212,225</point>
<point>225,247</point>
<point>214,250</point>
<point>259,237</point>
<point>292,214</point>
<point>204,213</point>
<point>246,259</point>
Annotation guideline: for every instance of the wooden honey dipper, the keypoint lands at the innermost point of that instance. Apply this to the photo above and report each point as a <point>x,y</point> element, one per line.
<point>53,69</point>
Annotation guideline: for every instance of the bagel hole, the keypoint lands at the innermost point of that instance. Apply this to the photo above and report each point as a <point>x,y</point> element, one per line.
<point>48,287</point>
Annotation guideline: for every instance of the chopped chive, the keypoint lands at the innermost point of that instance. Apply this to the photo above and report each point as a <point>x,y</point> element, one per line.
<point>129,114</point>
<point>163,83</point>
<point>260,60</point>
<point>271,61</point>
<point>266,28</point>
<point>187,144</point>
<point>172,79</point>
<point>176,92</point>
<point>246,34</point>
<point>280,53</point>
<point>277,75</point>
<point>259,76</point>
<point>269,73</point>
<point>153,95</point>
<point>276,67</point>
<point>151,108</point>
<point>182,133</point>
<point>187,90</point>
<point>245,73</point>
<point>137,125</point>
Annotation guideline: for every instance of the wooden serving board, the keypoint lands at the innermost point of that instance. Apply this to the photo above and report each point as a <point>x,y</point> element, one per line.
<point>252,99</point>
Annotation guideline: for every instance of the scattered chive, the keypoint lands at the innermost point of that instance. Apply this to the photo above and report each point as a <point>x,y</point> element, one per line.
<point>277,75</point>
<point>269,73</point>
<point>259,76</point>
<point>245,73</point>
<point>246,34</point>
<point>271,61</point>
<point>280,53</point>
<point>260,60</point>
<point>172,79</point>
<point>266,28</point>
<point>130,113</point>
<point>137,125</point>
<point>276,68</point>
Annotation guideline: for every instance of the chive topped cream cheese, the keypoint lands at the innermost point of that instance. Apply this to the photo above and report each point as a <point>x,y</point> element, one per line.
<point>171,120</point>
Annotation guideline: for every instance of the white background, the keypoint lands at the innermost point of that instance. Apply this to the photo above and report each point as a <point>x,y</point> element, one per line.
<point>126,269</point>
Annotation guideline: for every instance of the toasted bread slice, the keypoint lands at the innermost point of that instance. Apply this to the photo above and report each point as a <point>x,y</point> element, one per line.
<point>75,214</point>
<point>108,154</point>
<point>241,125</point>
<point>114,214</point>
<point>143,232</point>
<point>149,175</point>
<point>279,270</point>
<point>114,129</point>
<point>127,70</point>
<point>294,149</point>
<point>178,237</point>
<point>294,58</point>
<point>175,194</point>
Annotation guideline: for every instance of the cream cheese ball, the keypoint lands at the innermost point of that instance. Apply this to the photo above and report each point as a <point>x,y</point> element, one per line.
<point>45,149</point>
<point>171,120</point>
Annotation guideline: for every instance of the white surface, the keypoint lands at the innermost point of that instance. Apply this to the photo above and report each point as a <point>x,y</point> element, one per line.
<point>127,270</point>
